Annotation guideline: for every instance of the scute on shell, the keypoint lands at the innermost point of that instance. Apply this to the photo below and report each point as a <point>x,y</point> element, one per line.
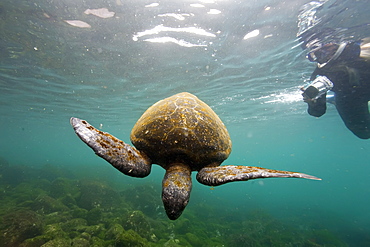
<point>182,127</point>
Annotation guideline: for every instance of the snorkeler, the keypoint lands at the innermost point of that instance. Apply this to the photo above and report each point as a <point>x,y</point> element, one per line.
<point>343,68</point>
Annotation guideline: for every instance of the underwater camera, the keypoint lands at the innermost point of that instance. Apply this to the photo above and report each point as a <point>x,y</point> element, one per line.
<point>317,88</point>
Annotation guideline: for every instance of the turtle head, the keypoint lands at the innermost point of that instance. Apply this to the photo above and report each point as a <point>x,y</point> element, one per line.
<point>176,189</point>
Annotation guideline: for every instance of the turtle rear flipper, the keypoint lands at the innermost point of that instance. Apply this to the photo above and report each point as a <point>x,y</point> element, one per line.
<point>122,156</point>
<point>214,176</point>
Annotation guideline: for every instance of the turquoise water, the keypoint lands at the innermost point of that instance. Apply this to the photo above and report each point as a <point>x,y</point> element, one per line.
<point>110,73</point>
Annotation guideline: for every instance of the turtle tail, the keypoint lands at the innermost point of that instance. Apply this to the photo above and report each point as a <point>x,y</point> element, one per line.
<point>176,189</point>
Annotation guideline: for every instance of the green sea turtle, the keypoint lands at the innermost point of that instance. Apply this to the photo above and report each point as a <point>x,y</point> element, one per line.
<point>181,134</point>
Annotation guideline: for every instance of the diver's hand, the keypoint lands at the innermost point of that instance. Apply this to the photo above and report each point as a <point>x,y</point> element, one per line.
<point>320,86</point>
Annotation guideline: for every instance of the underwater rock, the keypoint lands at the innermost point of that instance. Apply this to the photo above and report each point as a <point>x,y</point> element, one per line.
<point>74,225</point>
<point>60,242</point>
<point>86,236</point>
<point>69,201</point>
<point>115,231</point>
<point>47,204</point>
<point>79,213</point>
<point>40,184</point>
<point>183,226</point>
<point>144,198</point>
<point>56,217</point>
<point>73,234</point>
<point>95,194</point>
<point>138,222</point>
<point>130,238</point>
<point>35,242</point>
<point>113,222</point>
<point>18,226</point>
<point>80,242</point>
<point>61,187</point>
<point>193,239</point>
<point>94,216</point>
<point>161,230</point>
<point>26,192</point>
<point>172,243</point>
<point>323,237</point>
<point>54,231</point>
<point>118,216</point>
<point>97,242</point>
<point>153,238</point>
<point>96,230</point>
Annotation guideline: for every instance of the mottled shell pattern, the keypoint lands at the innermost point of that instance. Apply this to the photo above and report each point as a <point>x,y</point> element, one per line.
<point>183,129</point>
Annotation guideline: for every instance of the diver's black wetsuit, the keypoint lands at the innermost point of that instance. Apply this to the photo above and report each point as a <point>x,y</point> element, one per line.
<point>351,79</point>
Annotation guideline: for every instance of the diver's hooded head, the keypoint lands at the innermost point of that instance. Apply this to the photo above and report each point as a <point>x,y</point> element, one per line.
<point>329,45</point>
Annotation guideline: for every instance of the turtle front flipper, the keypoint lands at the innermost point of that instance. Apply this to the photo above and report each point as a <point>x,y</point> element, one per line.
<point>122,156</point>
<point>176,189</point>
<point>214,176</point>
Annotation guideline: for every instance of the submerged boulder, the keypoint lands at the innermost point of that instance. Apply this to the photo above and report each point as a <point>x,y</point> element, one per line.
<point>55,231</point>
<point>18,226</point>
<point>144,198</point>
<point>97,195</point>
<point>47,204</point>
<point>139,223</point>
<point>80,242</point>
<point>59,242</point>
<point>60,187</point>
<point>115,231</point>
<point>130,238</point>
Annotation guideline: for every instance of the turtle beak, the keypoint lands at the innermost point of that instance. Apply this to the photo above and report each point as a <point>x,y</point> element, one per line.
<point>176,189</point>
